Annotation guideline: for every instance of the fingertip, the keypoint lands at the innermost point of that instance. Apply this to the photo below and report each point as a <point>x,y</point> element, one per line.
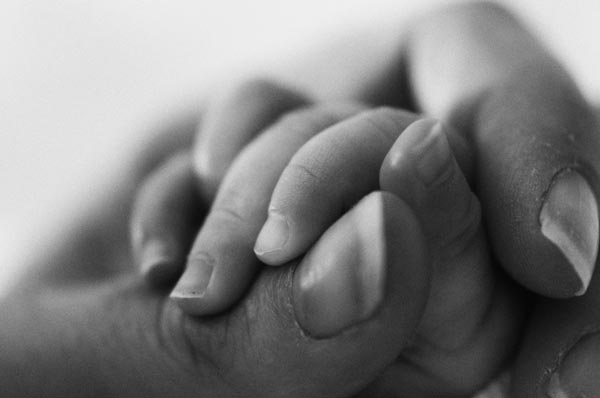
<point>421,168</point>
<point>271,241</point>
<point>273,235</point>
<point>569,219</point>
<point>157,263</point>
<point>233,119</point>
<point>165,215</point>
<point>328,175</point>
<point>422,147</point>
<point>219,271</point>
<point>190,291</point>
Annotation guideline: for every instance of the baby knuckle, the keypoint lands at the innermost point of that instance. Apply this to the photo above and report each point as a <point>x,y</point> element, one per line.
<point>300,121</point>
<point>233,205</point>
<point>389,121</point>
<point>228,214</point>
<point>304,175</point>
<point>308,121</point>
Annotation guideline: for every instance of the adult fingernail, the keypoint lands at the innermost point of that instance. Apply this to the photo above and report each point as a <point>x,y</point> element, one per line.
<point>569,219</point>
<point>577,374</point>
<point>341,282</point>
<point>194,281</point>
<point>433,155</point>
<point>273,235</point>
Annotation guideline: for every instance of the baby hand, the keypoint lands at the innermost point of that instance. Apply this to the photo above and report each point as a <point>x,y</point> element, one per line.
<point>469,318</point>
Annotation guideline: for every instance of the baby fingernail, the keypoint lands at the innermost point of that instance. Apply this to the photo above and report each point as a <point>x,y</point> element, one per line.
<point>569,219</point>
<point>432,153</point>
<point>341,282</point>
<point>273,235</point>
<point>156,255</point>
<point>577,374</point>
<point>194,281</point>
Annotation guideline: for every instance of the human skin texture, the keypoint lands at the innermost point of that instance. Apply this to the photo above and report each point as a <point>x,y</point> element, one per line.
<point>79,330</point>
<point>81,323</point>
<point>531,155</point>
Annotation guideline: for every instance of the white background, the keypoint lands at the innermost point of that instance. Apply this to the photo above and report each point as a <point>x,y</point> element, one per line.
<point>81,81</point>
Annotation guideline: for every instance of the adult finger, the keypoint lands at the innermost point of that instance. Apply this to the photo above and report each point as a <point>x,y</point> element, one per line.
<point>165,216</point>
<point>535,140</point>
<point>221,263</point>
<point>560,353</point>
<point>232,120</point>
<point>146,346</point>
<point>560,350</point>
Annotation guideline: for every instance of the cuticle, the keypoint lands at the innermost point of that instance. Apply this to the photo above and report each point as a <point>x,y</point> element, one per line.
<point>553,182</point>
<point>203,257</point>
<point>574,167</point>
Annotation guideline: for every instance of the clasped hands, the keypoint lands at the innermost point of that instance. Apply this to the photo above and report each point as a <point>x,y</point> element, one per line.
<point>397,246</point>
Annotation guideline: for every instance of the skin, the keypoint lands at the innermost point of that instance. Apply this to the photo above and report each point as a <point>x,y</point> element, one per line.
<point>468,312</point>
<point>491,98</point>
<point>135,342</point>
<point>507,77</point>
<point>78,300</point>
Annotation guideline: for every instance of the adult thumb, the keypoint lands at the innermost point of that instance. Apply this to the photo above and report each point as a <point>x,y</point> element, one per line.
<point>330,326</point>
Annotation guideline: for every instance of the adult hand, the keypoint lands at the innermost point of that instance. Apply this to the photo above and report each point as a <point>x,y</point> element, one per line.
<point>533,141</point>
<point>463,103</point>
<point>560,352</point>
<point>88,326</point>
<point>536,166</point>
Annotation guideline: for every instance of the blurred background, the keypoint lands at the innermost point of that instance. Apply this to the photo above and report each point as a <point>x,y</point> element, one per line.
<point>82,82</point>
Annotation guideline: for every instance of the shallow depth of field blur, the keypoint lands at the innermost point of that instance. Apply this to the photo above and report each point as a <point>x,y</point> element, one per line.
<point>82,82</point>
